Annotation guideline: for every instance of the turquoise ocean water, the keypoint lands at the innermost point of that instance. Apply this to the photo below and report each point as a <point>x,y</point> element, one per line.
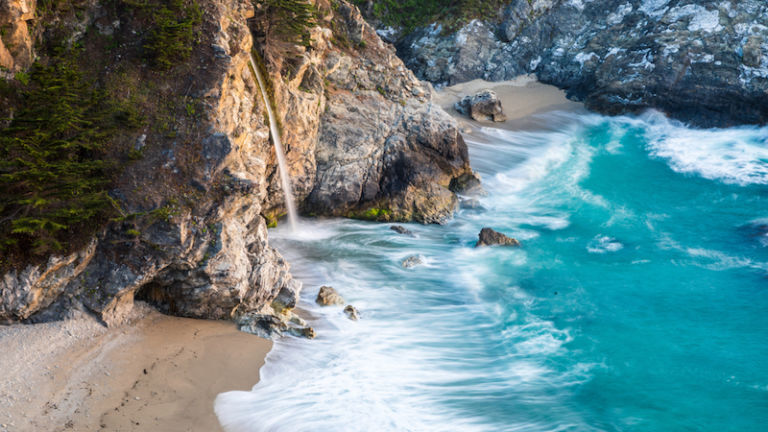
<point>638,302</point>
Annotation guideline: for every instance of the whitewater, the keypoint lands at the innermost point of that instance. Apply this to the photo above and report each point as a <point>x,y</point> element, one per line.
<point>637,302</point>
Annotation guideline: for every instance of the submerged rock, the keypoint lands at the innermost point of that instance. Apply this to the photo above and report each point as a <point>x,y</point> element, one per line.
<point>471,204</point>
<point>328,296</point>
<point>401,230</point>
<point>489,237</point>
<point>413,261</point>
<point>483,106</point>
<point>352,312</point>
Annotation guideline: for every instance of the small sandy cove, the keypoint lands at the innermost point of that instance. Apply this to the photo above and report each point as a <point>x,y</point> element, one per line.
<point>521,98</point>
<point>162,373</point>
<point>159,373</point>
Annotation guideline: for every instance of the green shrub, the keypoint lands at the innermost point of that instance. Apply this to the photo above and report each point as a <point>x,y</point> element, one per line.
<point>54,170</point>
<point>291,19</point>
<point>412,14</point>
<point>173,29</point>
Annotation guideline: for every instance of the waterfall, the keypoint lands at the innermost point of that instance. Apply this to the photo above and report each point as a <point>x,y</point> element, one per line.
<point>285,180</point>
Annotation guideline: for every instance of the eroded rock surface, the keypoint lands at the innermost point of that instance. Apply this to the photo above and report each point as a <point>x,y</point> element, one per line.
<point>704,62</point>
<point>362,139</point>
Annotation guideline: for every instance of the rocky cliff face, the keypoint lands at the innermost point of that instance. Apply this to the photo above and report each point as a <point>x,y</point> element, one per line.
<point>362,138</point>
<point>705,62</point>
<point>16,51</point>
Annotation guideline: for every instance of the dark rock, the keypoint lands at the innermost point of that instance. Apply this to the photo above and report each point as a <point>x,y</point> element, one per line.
<point>700,61</point>
<point>328,296</point>
<point>483,106</point>
<point>401,230</point>
<point>489,237</point>
<point>467,184</point>
<point>352,312</point>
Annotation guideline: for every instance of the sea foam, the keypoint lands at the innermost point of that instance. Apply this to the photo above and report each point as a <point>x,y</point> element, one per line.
<point>734,156</point>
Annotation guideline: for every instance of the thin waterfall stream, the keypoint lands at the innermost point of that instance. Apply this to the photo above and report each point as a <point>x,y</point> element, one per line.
<point>285,180</point>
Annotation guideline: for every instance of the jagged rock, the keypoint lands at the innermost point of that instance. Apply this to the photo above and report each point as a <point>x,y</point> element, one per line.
<point>328,296</point>
<point>401,230</point>
<point>269,326</point>
<point>360,131</point>
<point>701,61</point>
<point>483,106</point>
<point>352,312</point>
<point>413,261</point>
<point>383,144</point>
<point>489,237</point>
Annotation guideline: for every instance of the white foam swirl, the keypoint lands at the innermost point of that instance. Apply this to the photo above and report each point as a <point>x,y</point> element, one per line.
<point>734,156</point>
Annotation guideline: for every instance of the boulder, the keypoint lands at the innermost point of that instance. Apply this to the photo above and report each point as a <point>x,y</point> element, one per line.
<point>484,106</point>
<point>489,237</point>
<point>328,296</point>
<point>352,313</point>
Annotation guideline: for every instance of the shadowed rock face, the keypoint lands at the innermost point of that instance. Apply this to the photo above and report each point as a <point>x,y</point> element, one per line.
<point>360,132</point>
<point>704,62</point>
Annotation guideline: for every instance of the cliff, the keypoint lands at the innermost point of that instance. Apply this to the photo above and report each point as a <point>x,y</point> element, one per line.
<point>193,179</point>
<point>704,62</point>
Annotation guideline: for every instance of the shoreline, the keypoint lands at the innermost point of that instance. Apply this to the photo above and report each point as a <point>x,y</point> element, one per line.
<point>522,99</point>
<point>162,372</point>
<point>151,375</point>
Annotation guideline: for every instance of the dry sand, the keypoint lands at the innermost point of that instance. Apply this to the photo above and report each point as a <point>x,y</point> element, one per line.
<point>521,98</point>
<point>159,374</point>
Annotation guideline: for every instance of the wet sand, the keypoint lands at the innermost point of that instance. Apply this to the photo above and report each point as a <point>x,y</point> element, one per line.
<point>159,374</point>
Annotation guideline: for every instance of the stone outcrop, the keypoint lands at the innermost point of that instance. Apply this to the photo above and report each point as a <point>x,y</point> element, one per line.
<point>362,138</point>
<point>490,237</point>
<point>483,106</point>
<point>328,296</point>
<point>704,62</point>
<point>383,145</point>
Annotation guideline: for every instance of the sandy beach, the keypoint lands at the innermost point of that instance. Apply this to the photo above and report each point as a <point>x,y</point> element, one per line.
<point>521,98</point>
<point>159,374</point>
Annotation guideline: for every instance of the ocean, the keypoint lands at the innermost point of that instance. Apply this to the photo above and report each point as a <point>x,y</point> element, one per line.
<point>637,302</point>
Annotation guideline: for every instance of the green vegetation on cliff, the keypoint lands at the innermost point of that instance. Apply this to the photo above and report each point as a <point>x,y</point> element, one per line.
<point>173,28</point>
<point>68,124</point>
<point>291,19</point>
<point>54,168</point>
<point>411,14</point>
